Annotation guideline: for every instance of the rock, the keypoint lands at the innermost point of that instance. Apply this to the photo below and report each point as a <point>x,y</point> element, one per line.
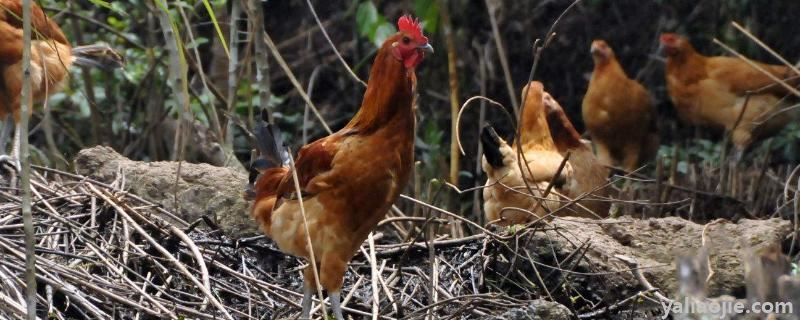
<point>654,244</point>
<point>202,189</point>
<point>538,309</point>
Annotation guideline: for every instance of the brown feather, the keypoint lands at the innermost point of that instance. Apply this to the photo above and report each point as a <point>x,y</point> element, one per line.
<point>618,112</point>
<point>710,92</point>
<point>44,28</point>
<point>588,172</point>
<point>534,131</point>
<point>50,56</point>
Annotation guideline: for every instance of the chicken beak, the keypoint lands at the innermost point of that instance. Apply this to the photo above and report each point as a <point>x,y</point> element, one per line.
<point>426,47</point>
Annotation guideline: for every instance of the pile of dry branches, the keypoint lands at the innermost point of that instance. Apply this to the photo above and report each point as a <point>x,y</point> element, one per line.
<point>105,253</point>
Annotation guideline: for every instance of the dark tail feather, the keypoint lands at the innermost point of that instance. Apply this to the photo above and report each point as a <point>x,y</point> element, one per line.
<point>491,146</point>
<point>271,150</point>
<point>97,56</point>
<point>270,144</point>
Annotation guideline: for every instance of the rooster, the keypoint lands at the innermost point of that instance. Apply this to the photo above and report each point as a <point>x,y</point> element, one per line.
<point>712,92</point>
<point>589,175</point>
<point>505,188</point>
<point>51,58</point>
<point>347,180</point>
<point>618,113</point>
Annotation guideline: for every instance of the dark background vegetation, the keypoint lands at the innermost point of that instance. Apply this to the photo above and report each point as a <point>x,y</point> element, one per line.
<point>134,111</point>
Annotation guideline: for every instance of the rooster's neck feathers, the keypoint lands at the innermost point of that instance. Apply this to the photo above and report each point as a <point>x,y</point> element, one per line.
<point>389,95</point>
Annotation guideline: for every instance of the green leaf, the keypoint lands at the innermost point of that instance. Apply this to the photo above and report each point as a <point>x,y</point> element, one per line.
<point>102,3</point>
<point>428,11</point>
<point>216,27</point>
<point>373,25</point>
<point>107,5</point>
<point>116,23</point>
<point>366,18</point>
<point>197,42</point>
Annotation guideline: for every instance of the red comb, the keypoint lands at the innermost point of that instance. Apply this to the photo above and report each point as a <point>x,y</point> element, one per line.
<point>669,37</point>
<point>411,26</point>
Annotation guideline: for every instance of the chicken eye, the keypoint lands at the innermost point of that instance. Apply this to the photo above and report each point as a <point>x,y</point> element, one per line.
<point>406,40</point>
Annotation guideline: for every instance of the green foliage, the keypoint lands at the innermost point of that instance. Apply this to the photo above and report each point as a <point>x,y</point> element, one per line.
<point>783,144</point>
<point>377,28</point>
<point>428,12</point>
<point>372,24</point>
<point>107,5</point>
<point>213,16</point>
<point>512,229</point>
<point>705,150</point>
<point>431,142</point>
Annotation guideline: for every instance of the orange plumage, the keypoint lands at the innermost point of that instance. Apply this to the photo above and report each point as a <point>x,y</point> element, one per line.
<point>711,92</point>
<point>589,175</point>
<point>349,179</point>
<point>506,186</point>
<point>51,58</point>
<point>618,113</point>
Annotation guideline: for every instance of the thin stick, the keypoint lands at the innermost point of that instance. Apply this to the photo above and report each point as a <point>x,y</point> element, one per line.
<point>310,91</point>
<point>452,71</point>
<point>311,257</point>
<point>212,112</point>
<point>294,81</point>
<point>26,104</point>
<point>757,67</point>
<point>765,47</point>
<point>476,207</point>
<point>464,107</point>
<point>501,54</point>
<point>233,61</point>
<point>373,263</point>
<point>335,51</point>
<point>256,17</point>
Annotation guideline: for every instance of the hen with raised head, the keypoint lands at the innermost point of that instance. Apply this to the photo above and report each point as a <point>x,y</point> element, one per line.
<point>618,113</point>
<point>506,188</point>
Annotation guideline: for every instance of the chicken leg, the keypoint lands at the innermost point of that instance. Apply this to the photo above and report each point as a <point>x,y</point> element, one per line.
<point>8,122</point>
<point>14,156</point>
<point>308,296</point>
<point>336,307</point>
<point>335,300</point>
